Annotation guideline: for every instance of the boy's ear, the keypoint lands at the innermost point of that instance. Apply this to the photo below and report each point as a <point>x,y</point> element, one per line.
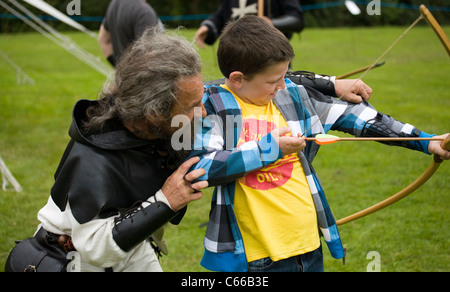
<point>236,78</point>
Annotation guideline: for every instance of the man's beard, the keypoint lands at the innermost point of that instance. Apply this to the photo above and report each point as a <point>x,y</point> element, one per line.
<point>160,132</point>
<point>164,131</point>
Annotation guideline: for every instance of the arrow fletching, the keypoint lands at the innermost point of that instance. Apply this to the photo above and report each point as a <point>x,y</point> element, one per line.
<point>324,139</point>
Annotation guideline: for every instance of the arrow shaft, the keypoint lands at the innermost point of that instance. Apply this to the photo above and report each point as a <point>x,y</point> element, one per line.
<point>378,139</point>
<point>343,76</point>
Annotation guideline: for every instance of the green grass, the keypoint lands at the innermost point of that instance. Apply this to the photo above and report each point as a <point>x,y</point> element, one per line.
<point>413,86</point>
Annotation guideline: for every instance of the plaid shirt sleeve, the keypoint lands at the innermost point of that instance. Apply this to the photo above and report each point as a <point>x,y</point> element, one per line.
<point>363,120</point>
<point>223,162</point>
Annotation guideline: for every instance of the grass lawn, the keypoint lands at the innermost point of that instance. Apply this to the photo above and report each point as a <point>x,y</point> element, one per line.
<point>413,86</point>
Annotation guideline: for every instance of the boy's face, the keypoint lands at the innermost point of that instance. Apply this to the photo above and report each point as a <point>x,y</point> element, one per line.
<point>262,88</point>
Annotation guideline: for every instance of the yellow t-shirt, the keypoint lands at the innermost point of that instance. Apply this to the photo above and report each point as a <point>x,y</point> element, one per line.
<point>273,206</point>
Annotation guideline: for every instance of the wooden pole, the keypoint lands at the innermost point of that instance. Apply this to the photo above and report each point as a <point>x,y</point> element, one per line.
<point>260,8</point>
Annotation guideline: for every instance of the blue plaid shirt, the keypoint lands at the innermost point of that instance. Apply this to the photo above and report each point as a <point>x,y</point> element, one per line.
<point>215,140</point>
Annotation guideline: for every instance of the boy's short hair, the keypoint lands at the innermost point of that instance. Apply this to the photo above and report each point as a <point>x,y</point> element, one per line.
<point>250,45</point>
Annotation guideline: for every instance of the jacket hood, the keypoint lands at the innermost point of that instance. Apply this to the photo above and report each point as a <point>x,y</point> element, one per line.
<point>116,137</point>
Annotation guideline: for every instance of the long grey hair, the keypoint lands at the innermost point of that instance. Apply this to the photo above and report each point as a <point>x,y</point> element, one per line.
<point>146,81</point>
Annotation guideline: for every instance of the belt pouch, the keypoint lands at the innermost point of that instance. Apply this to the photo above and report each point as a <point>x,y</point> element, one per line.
<point>37,254</point>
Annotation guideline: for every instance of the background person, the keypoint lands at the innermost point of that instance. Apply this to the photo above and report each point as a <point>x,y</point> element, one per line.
<point>286,15</point>
<point>124,22</point>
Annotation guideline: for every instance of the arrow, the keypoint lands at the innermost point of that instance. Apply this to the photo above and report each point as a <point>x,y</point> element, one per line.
<point>324,139</point>
<point>343,76</point>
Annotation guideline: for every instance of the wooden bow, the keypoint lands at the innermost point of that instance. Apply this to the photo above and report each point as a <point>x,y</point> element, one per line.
<point>423,178</point>
<point>436,27</point>
<point>429,172</point>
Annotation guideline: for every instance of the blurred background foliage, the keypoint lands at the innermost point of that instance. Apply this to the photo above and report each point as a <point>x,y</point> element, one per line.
<point>318,13</point>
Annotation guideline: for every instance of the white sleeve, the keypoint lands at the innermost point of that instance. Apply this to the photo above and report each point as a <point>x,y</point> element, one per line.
<point>159,197</point>
<point>94,242</point>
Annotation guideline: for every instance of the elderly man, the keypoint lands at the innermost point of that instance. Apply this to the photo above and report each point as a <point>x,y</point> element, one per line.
<point>118,181</point>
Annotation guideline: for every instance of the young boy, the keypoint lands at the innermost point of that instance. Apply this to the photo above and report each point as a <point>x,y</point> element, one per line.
<point>269,209</point>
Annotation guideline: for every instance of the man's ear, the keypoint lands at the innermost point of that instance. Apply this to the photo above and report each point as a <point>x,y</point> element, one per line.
<point>236,78</point>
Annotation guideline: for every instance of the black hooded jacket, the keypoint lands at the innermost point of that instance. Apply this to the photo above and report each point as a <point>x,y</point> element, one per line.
<point>104,174</point>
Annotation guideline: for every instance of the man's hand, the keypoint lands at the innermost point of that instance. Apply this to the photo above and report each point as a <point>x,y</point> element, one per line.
<point>435,148</point>
<point>354,92</point>
<point>288,144</point>
<point>179,189</point>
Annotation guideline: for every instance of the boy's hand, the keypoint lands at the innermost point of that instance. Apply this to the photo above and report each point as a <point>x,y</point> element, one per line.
<point>356,94</point>
<point>288,144</point>
<point>435,148</point>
